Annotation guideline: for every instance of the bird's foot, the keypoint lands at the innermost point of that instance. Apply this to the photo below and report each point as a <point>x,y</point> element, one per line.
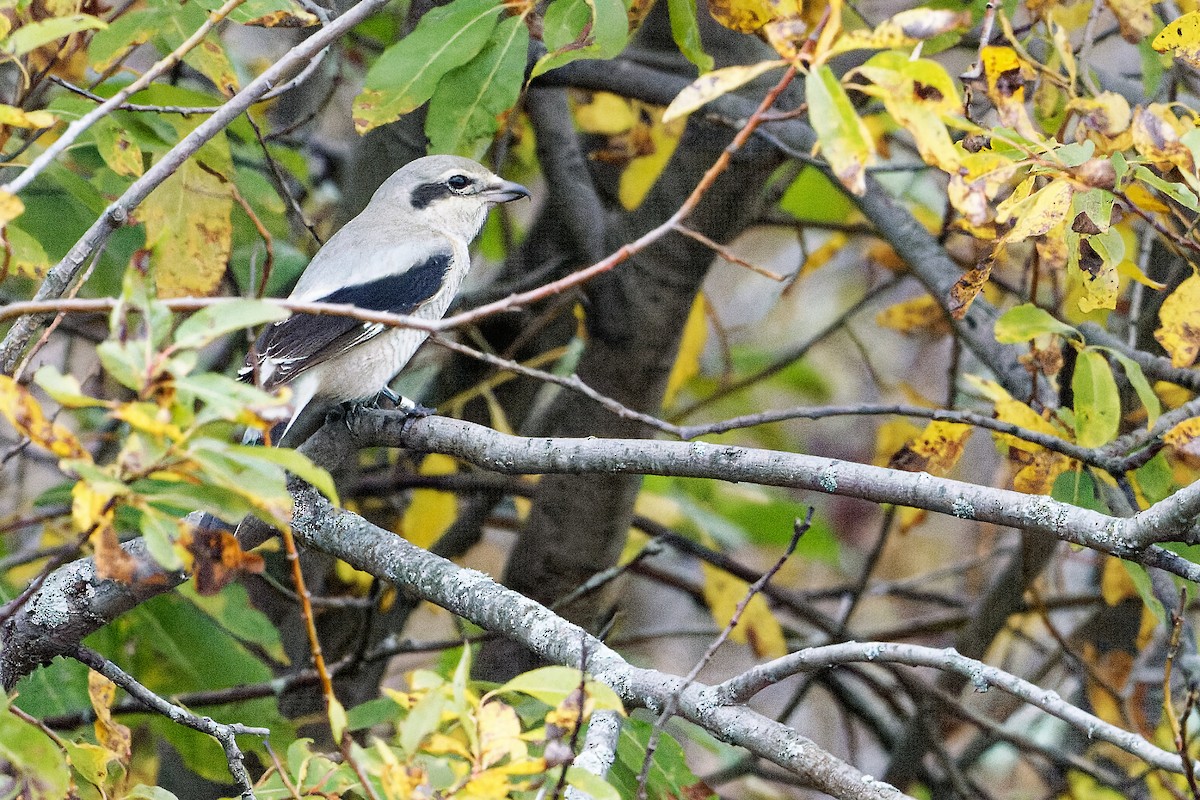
<point>414,409</point>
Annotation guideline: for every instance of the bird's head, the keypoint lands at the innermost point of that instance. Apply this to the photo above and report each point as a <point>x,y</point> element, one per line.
<point>450,193</point>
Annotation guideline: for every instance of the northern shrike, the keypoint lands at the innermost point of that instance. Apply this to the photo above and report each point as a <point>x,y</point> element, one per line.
<point>406,253</point>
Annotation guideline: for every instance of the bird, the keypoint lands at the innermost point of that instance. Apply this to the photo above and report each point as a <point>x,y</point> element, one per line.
<point>405,253</point>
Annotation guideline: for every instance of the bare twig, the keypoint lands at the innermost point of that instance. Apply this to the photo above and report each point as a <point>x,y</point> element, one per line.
<point>224,733</point>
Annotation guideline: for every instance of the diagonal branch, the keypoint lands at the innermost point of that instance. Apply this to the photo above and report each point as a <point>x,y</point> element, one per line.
<point>63,273</point>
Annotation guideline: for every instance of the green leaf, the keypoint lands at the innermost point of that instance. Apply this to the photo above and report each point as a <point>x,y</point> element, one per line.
<point>35,34</point>
<point>551,685</point>
<point>845,141</point>
<point>294,462</point>
<point>1074,154</point>
<point>407,73</point>
<point>575,29</point>
<point>685,28</point>
<point>1077,488</point>
<point>128,30</point>
<point>124,361</point>
<point>1176,191</point>
<point>213,322</point>
<point>813,197</point>
<point>372,713</point>
<point>143,792</point>
<point>1137,379</point>
<point>160,531</point>
<point>669,775</point>
<point>1027,322</point>
<point>65,389</point>
<point>422,719</point>
<point>232,610</point>
<point>1141,582</point>
<point>33,761</point>
<point>1155,479</point>
<point>466,107</point>
<point>591,784</point>
<point>1097,401</point>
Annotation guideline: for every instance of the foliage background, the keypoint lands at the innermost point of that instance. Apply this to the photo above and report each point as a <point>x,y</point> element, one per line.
<point>944,218</point>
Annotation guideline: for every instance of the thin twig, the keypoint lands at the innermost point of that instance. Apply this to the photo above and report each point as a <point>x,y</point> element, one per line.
<point>76,128</point>
<point>224,733</point>
<point>798,530</point>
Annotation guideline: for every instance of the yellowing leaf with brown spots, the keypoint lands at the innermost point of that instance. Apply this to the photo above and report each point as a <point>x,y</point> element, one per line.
<point>747,16</point>
<point>431,512</point>
<point>25,414</point>
<point>112,735</point>
<point>1179,323</point>
<point>1006,75</point>
<point>1039,213</point>
<point>639,177</point>
<point>1181,37</point>
<point>1183,434</point>
<point>756,627</point>
<point>936,450</point>
<point>189,231</point>
<point>1135,18</point>
<point>918,315</point>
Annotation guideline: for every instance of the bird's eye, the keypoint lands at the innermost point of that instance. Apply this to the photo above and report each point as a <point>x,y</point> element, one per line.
<point>458,182</point>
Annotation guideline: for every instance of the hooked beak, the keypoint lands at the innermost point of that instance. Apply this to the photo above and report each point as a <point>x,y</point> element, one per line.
<point>504,192</point>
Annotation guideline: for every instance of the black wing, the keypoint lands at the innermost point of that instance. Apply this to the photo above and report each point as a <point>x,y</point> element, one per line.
<point>302,341</point>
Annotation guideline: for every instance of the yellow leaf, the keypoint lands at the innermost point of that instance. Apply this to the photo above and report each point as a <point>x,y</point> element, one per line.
<point>188,226</point>
<point>1157,134</point>
<point>1039,213</point>
<point>691,347</point>
<point>11,207</point>
<point>1183,434</point>
<point>1171,395</point>
<point>976,182</point>
<point>917,93</point>
<point>891,438</point>
<point>1179,323</point>
<point>112,735</point>
<point>1006,75</point>
<point>1037,471</point>
<point>1101,118</point>
<point>747,16</point>
<point>19,118</point>
<point>337,718</point>
<point>641,173</point>
<point>431,511</point>
<point>918,315</point>
<point>1182,37</point>
<point>1135,18</point>
<point>936,450</point>
<point>1141,197</point>
<point>712,85</point>
<point>25,414</point>
<point>605,113</point>
<point>822,255</point>
<point>757,626</point>
<point>149,418</point>
<point>499,734</point>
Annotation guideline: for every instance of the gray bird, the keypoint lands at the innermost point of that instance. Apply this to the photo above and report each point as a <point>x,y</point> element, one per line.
<point>406,253</point>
